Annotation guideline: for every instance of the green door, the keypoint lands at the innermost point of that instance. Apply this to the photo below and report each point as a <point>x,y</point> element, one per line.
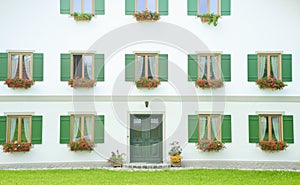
<point>146,138</point>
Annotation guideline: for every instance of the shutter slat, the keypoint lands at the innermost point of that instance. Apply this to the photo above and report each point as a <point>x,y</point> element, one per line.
<point>288,129</point>
<point>192,7</point>
<point>65,67</point>
<point>64,130</point>
<point>3,124</point>
<point>193,128</point>
<point>99,67</point>
<point>163,67</point>
<point>163,7</point>
<point>37,129</point>
<point>252,68</point>
<point>99,129</point>
<point>99,7</point>
<point>192,68</point>
<point>225,7</point>
<point>129,67</point>
<point>253,129</point>
<point>65,6</point>
<point>129,7</point>
<point>3,66</point>
<point>38,66</point>
<point>226,129</point>
<point>286,67</point>
<point>226,67</point>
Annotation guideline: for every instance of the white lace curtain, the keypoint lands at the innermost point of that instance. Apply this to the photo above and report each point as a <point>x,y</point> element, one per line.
<point>215,126</point>
<point>203,61</point>
<point>215,67</point>
<point>26,129</point>
<point>13,126</point>
<point>152,66</point>
<point>26,63</point>
<point>77,121</point>
<point>14,65</point>
<point>274,63</point>
<point>89,128</point>
<point>88,65</point>
<point>203,123</point>
<point>263,127</point>
<point>275,124</point>
<point>263,60</point>
<point>141,61</point>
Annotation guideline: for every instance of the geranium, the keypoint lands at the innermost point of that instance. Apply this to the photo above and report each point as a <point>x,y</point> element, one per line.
<point>82,83</point>
<point>147,83</point>
<point>270,83</point>
<point>205,84</point>
<point>81,145</point>
<point>16,146</point>
<point>272,145</point>
<point>210,146</point>
<point>146,15</point>
<point>18,83</point>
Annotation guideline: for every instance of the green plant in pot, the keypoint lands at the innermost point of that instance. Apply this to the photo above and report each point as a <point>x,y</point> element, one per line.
<point>82,16</point>
<point>116,159</point>
<point>210,18</point>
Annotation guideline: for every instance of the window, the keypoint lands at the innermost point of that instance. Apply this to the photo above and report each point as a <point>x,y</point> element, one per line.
<point>208,6</point>
<point>210,127</point>
<point>82,126</point>
<point>269,66</point>
<point>19,129</point>
<point>83,6</point>
<point>151,5</point>
<point>270,127</point>
<point>146,66</point>
<point>82,66</point>
<point>209,67</point>
<point>20,65</point>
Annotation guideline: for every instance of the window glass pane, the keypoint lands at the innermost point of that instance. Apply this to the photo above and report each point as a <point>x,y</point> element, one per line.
<point>26,66</point>
<point>214,6</point>
<point>214,123</point>
<point>77,66</point>
<point>88,65</point>
<point>203,128</point>
<point>141,66</point>
<point>152,5</point>
<point>88,6</point>
<point>77,129</point>
<point>274,67</point>
<point>151,67</point>
<point>214,68</point>
<point>203,6</point>
<point>141,5</point>
<point>275,128</point>
<point>77,6</point>
<point>13,129</point>
<point>25,130</point>
<point>263,65</point>
<point>15,59</point>
<point>203,67</point>
<point>264,128</point>
<point>88,128</point>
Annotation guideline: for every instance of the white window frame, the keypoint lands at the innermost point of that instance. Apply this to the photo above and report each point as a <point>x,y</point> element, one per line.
<point>83,54</point>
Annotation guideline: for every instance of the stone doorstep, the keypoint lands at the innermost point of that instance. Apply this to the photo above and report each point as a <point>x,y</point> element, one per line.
<point>147,165</point>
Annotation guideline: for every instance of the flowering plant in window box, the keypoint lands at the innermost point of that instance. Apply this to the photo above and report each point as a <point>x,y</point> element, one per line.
<point>82,83</point>
<point>116,159</point>
<point>209,18</point>
<point>147,83</point>
<point>205,84</point>
<point>272,145</point>
<point>81,145</point>
<point>270,83</point>
<point>82,16</point>
<point>210,146</point>
<point>16,146</point>
<point>146,15</point>
<point>19,83</point>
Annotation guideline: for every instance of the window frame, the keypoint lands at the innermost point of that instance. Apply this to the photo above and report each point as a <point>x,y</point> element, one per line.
<point>20,67</point>
<point>208,7</point>
<point>147,3</point>
<point>270,126</point>
<point>82,116</point>
<point>82,54</point>
<point>82,6</point>
<point>268,55</point>
<point>208,55</point>
<point>146,55</point>
<point>209,126</point>
<point>19,117</point>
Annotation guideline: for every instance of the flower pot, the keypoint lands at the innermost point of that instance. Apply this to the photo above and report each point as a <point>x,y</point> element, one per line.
<point>178,164</point>
<point>116,164</point>
<point>204,19</point>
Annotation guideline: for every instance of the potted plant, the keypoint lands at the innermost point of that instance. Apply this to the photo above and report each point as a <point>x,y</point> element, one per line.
<point>81,145</point>
<point>82,16</point>
<point>147,83</point>
<point>210,146</point>
<point>207,84</point>
<point>272,145</point>
<point>209,18</point>
<point>82,83</point>
<point>270,83</point>
<point>146,15</point>
<point>116,159</point>
<point>18,83</point>
<point>174,153</point>
<point>16,146</point>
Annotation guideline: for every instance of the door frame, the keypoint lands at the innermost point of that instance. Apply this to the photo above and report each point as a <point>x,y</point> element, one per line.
<point>163,132</point>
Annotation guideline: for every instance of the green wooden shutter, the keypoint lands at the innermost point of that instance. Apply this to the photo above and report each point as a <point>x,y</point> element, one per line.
<point>64,130</point>
<point>129,7</point>
<point>65,67</point>
<point>286,67</point>
<point>288,129</point>
<point>193,128</point>
<point>192,7</point>
<point>65,6</point>
<point>99,67</point>
<point>99,129</point>
<point>129,67</point>
<point>252,68</point>
<point>226,129</point>
<point>99,7</point>
<point>38,66</point>
<point>2,129</point>
<point>253,129</point>
<point>226,67</point>
<point>3,66</point>
<point>163,7</point>
<point>37,130</point>
<point>192,68</point>
<point>163,67</point>
<point>225,7</point>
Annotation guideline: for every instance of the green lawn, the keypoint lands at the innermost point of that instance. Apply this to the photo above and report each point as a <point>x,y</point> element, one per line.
<point>96,176</point>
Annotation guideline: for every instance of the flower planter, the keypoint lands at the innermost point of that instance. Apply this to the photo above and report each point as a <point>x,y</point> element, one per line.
<point>204,19</point>
<point>210,18</point>
<point>18,83</point>
<point>146,16</point>
<point>270,83</point>
<point>209,84</point>
<point>82,16</point>
<point>116,159</point>
<point>16,147</point>
<point>145,83</point>
<point>81,145</point>
<point>175,160</point>
<point>116,164</point>
<point>82,83</point>
<point>82,19</point>
<point>210,146</point>
<point>272,145</point>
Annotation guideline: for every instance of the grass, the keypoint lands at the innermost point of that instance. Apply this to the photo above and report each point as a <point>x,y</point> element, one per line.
<point>99,177</point>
